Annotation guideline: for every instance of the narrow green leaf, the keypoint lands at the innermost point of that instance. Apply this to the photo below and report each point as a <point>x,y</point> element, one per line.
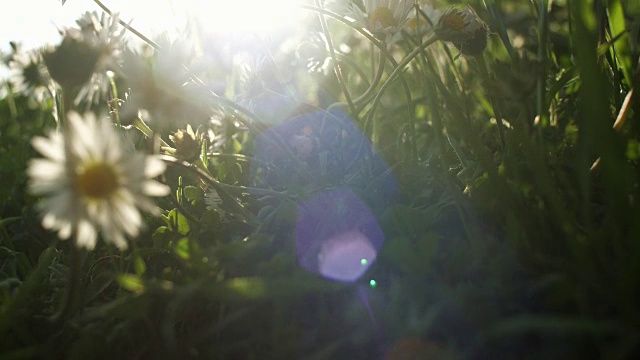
<point>617,24</point>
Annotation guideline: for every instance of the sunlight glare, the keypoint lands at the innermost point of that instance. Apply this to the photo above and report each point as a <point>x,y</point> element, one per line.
<point>245,16</point>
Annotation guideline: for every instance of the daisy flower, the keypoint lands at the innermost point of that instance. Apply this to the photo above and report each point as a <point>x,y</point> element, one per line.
<point>29,74</point>
<point>382,17</point>
<point>90,184</point>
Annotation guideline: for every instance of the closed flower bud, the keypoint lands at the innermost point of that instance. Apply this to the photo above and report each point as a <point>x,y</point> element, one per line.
<point>464,28</point>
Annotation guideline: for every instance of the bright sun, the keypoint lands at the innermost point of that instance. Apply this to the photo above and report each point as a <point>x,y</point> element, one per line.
<point>238,16</point>
<point>219,16</point>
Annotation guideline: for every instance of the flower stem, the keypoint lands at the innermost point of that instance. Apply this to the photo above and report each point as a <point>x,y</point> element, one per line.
<point>336,65</point>
<point>397,71</point>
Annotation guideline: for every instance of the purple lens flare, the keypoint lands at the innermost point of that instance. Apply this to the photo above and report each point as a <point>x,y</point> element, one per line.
<point>337,236</point>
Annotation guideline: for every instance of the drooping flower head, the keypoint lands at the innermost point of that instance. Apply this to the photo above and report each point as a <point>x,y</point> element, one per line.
<point>382,17</point>
<point>106,35</point>
<point>463,27</point>
<point>84,56</point>
<point>89,183</point>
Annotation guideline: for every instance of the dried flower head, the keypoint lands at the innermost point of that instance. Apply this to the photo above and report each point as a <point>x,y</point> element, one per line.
<point>187,144</point>
<point>463,27</point>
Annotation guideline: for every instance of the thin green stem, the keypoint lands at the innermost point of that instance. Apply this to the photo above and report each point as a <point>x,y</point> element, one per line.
<point>369,37</point>
<point>336,65</point>
<point>541,86</point>
<point>225,190</point>
<point>496,17</point>
<point>114,90</point>
<point>431,94</point>
<point>398,70</point>
<point>484,71</point>
<point>365,96</point>
<point>145,129</point>
<point>361,100</point>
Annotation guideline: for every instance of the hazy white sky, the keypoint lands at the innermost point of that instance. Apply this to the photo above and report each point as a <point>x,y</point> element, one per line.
<point>34,22</point>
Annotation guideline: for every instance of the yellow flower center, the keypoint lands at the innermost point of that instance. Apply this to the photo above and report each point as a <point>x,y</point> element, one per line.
<point>382,16</point>
<point>97,180</point>
<point>453,22</point>
<point>416,24</point>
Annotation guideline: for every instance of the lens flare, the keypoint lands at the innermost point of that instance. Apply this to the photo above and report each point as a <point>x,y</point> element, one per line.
<point>337,236</point>
<point>346,256</point>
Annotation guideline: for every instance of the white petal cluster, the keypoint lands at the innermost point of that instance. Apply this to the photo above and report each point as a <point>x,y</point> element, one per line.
<point>89,184</point>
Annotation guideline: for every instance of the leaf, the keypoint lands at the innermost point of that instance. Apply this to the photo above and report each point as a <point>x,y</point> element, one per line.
<point>131,282</point>
<point>22,264</point>
<point>183,248</point>
<point>619,32</point>
<point>192,193</point>
<point>6,221</point>
<point>10,310</point>
<point>162,237</point>
<point>178,222</point>
<point>139,265</point>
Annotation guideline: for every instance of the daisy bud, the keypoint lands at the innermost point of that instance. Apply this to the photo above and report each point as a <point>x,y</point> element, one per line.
<point>464,28</point>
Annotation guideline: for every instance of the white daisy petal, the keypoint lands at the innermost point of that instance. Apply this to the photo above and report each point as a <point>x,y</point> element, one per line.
<point>89,185</point>
<point>86,235</point>
<point>65,231</point>
<point>154,188</point>
<point>153,167</point>
<point>49,147</point>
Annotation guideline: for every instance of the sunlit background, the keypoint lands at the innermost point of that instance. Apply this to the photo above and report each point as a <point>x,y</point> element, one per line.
<point>35,22</point>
